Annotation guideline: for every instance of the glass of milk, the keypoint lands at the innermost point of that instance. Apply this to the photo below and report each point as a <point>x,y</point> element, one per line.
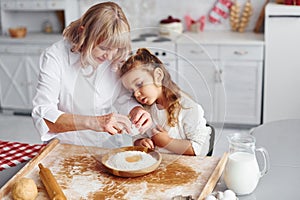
<point>242,171</point>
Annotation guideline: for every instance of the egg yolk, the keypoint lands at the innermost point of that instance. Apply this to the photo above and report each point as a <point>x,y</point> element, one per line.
<point>134,158</point>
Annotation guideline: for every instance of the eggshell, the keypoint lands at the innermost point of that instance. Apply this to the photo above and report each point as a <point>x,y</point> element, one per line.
<point>210,197</point>
<point>220,195</point>
<point>226,198</point>
<point>229,194</point>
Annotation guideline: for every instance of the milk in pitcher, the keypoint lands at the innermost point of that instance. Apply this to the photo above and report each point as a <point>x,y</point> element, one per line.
<point>242,172</point>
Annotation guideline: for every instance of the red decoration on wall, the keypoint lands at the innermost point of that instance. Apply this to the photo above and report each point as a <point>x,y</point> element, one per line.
<point>194,25</point>
<point>219,11</point>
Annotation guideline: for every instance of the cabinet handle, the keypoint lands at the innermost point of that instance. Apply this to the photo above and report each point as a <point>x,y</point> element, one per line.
<point>18,50</point>
<point>240,53</point>
<point>196,52</point>
<point>218,74</point>
<point>15,51</point>
<point>26,83</point>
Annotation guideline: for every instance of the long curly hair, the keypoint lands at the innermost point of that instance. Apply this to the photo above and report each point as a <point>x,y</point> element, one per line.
<point>144,59</point>
<point>103,23</point>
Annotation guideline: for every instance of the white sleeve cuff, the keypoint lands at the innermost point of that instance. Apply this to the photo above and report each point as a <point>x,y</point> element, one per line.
<point>40,124</point>
<point>52,115</point>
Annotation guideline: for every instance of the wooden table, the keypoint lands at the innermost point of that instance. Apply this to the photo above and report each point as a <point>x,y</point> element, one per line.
<point>81,175</point>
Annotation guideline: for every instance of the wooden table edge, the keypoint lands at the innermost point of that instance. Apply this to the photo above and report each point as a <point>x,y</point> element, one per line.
<point>215,176</point>
<point>33,162</point>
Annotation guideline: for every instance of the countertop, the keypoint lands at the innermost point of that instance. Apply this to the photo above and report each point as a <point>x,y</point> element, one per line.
<point>222,37</point>
<point>281,9</point>
<point>206,37</point>
<point>32,38</point>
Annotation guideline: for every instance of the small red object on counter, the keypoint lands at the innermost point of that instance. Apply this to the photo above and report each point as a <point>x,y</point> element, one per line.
<point>195,25</point>
<point>292,2</point>
<point>170,19</point>
<point>289,2</point>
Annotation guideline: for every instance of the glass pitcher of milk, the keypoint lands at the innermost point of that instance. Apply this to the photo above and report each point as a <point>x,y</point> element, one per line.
<point>242,171</point>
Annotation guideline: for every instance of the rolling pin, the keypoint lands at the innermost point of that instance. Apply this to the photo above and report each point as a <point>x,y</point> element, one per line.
<point>53,189</point>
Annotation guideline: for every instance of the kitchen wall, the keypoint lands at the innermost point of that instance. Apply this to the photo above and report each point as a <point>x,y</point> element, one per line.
<point>148,13</point>
<point>140,13</point>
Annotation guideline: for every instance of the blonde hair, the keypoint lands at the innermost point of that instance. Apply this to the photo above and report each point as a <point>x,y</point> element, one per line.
<point>105,24</point>
<point>143,59</point>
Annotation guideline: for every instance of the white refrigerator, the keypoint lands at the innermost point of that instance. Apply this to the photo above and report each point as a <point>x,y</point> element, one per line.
<point>281,95</point>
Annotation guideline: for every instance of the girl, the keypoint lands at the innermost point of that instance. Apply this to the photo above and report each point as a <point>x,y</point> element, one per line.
<point>180,123</point>
<point>78,92</point>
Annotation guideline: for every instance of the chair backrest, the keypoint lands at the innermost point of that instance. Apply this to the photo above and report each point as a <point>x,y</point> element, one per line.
<point>211,140</point>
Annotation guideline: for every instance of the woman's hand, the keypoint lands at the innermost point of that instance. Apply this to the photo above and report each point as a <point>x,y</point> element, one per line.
<point>160,136</point>
<point>112,123</point>
<point>140,118</point>
<point>144,142</point>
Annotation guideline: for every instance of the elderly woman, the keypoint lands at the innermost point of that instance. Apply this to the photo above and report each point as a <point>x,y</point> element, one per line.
<point>79,98</point>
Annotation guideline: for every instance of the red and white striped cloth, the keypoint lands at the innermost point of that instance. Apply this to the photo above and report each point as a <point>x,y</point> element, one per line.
<point>14,153</point>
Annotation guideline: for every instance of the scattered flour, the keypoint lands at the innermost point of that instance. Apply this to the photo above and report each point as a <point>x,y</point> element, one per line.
<point>130,160</point>
<point>82,186</point>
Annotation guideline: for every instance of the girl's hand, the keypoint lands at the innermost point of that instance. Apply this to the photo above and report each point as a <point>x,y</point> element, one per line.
<point>112,123</point>
<point>145,142</point>
<point>140,118</point>
<point>160,136</point>
<point>162,139</point>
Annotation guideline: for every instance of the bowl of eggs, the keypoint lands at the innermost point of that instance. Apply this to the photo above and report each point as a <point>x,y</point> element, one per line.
<point>131,161</point>
<point>17,32</point>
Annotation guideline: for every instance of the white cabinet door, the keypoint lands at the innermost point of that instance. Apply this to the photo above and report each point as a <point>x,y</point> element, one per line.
<point>18,79</point>
<point>198,79</point>
<point>171,66</point>
<point>226,77</point>
<point>243,91</point>
<point>198,76</point>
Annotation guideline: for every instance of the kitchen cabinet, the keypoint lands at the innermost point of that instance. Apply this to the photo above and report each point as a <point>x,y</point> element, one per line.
<point>242,70</point>
<point>19,69</point>
<point>33,14</point>
<point>19,58</point>
<point>197,75</point>
<point>223,72</point>
<point>19,72</point>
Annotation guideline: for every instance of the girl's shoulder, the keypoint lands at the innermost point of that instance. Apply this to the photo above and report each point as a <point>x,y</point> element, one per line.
<point>189,107</point>
<point>187,102</point>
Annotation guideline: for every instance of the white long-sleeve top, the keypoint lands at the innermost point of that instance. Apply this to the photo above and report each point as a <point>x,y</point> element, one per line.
<point>191,125</point>
<point>64,86</point>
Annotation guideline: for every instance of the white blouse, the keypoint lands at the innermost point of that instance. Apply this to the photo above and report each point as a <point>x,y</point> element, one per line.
<point>65,87</point>
<point>191,125</point>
